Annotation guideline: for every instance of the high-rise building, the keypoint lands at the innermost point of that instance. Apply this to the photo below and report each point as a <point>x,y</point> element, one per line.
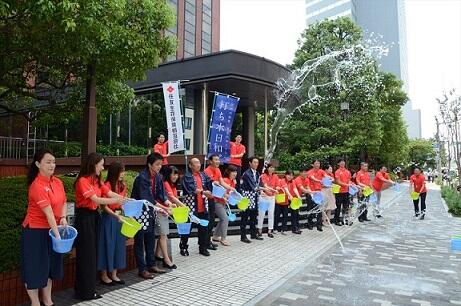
<point>378,17</point>
<point>197,27</point>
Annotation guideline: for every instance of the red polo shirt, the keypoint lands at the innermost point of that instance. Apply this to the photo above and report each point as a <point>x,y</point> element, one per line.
<point>200,200</point>
<point>291,186</point>
<point>363,177</point>
<point>301,182</point>
<point>271,181</point>
<point>44,192</point>
<point>162,148</point>
<point>236,149</point>
<point>418,182</point>
<point>122,192</point>
<point>170,190</point>
<point>213,173</point>
<point>87,187</point>
<point>343,175</point>
<point>318,174</point>
<point>378,182</point>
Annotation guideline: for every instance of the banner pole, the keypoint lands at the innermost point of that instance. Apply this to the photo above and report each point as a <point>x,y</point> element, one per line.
<point>209,128</point>
<point>183,122</point>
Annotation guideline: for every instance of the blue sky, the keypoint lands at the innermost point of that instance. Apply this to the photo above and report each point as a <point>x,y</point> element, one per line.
<point>270,28</point>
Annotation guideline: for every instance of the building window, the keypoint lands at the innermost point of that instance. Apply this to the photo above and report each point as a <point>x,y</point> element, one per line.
<point>188,123</point>
<point>206,26</point>
<point>189,28</point>
<point>188,144</point>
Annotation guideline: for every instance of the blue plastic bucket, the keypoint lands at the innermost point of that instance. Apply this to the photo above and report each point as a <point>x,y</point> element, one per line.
<point>68,235</point>
<point>263,203</point>
<point>218,191</point>
<point>456,244</point>
<point>203,222</point>
<point>133,208</point>
<point>183,228</point>
<point>234,198</point>
<point>317,197</point>
<point>373,198</point>
<point>232,217</point>
<point>353,190</point>
<point>327,182</point>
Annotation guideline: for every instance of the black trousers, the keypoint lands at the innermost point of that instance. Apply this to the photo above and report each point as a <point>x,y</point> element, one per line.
<point>248,216</point>
<point>422,197</point>
<point>310,217</point>
<point>283,210</point>
<point>86,246</point>
<point>211,217</point>
<point>294,219</point>
<point>364,214</point>
<point>342,204</point>
<point>203,238</point>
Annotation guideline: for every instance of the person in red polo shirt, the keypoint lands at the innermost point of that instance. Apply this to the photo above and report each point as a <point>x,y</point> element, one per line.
<point>89,193</point>
<point>418,184</point>
<point>270,181</point>
<point>363,180</point>
<point>315,176</point>
<point>40,265</point>
<point>288,185</point>
<point>381,178</point>
<point>161,147</point>
<point>214,173</point>
<point>343,179</point>
<point>237,150</point>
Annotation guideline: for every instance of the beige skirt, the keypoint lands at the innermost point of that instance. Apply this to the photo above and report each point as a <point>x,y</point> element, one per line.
<point>329,198</point>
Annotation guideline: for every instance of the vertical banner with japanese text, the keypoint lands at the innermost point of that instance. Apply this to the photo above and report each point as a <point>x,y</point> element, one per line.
<point>173,117</point>
<point>222,118</point>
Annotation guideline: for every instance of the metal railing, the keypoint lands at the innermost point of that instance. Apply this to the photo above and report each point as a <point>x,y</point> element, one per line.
<point>10,147</point>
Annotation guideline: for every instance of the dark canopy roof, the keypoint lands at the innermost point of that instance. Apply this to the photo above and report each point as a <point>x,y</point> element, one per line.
<point>233,72</point>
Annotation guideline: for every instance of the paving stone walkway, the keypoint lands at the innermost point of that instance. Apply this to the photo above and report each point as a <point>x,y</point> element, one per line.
<point>399,260</point>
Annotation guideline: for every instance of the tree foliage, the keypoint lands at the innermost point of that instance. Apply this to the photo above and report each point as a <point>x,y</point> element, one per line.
<point>372,129</point>
<point>421,153</point>
<point>48,45</point>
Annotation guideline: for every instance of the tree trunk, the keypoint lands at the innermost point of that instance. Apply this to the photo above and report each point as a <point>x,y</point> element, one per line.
<point>90,114</point>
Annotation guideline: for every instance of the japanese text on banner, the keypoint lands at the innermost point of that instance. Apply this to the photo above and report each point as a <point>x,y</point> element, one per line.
<point>173,117</point>
<point>221,126</point>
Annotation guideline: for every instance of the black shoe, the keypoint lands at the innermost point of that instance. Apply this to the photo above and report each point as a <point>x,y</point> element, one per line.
<point>297,232</point>
<point>184,252</point>
<point>270,235</point>
<point>338,224</point>
<point>173,266</point>
<point>319,228</point>
<point>245,240</point>
<point>361,220</point>
<point>94,296</point>
<point>422,217</point>
<point>309,227</point>
<point>212,246</point>
<point>119,282</point>
<point>350,223</point>
<point>258,238</point>
<point>204,252</point>
<point>109,284</point>
<point>379,216</point>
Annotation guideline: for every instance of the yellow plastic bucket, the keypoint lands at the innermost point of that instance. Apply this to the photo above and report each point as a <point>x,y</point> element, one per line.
<point>367,191</point>
<point>280,198</point>
<point>243,204</point>
<point>181,214</point>
<point>130,227</point>
<point>335,188</point>
<point>414,195</point>
<point>296,203</point>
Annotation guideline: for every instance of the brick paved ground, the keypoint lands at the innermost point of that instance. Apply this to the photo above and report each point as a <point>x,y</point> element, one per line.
<point>399,261</point>
<point>310,269</point>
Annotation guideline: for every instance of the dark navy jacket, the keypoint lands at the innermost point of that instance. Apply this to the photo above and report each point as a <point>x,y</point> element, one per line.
<point>189,186</point>
<point>248,181</point>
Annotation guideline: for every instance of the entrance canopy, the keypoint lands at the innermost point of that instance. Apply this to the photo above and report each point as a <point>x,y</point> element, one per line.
<point>233,72</point>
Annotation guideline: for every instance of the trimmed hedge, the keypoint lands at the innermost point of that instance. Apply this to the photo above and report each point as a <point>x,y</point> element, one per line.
<point>453,200</point>
<point>13,206</point>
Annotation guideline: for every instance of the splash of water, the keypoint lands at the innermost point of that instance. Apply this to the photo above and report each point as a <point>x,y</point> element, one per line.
<point>339,63</point>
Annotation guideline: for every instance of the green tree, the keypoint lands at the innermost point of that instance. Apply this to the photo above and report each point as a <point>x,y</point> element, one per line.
<point>421,153</point>
<point>322,130</point>
<point>62,53</point>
